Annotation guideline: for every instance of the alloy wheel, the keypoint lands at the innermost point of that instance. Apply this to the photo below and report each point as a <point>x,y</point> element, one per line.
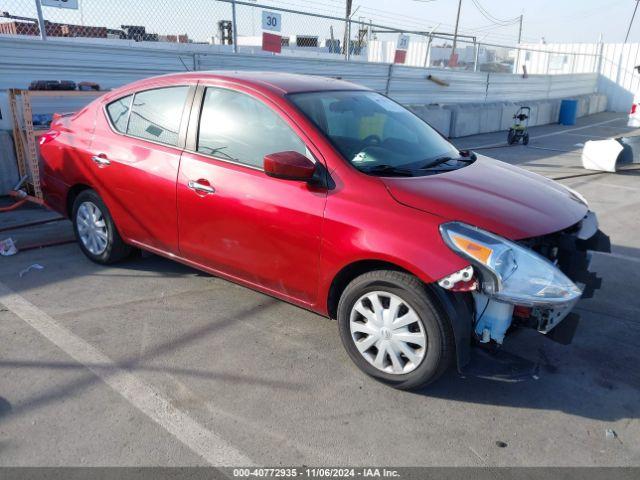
<point>92,228</point>
<point>388,332</point>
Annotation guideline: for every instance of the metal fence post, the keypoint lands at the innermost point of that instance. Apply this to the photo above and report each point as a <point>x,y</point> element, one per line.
<point>348,45</point>
<point>369,36</point>
<point>546,72</point>
<point>41,26</point>
<point>599,58</point>
<point>487,86</point>
<point>235,26</point>
<point>516,63</point>
<point>475,58</point>
<point>573,64</point>
<point>427,55</point>
<point>389,75</point>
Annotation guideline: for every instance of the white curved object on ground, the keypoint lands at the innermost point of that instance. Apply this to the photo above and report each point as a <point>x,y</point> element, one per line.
<point>601,155</point>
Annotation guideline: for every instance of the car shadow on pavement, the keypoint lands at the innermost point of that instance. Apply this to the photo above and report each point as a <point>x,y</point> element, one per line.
<point>141,261</point>
<point>138,362</point>
<point>575,388</point>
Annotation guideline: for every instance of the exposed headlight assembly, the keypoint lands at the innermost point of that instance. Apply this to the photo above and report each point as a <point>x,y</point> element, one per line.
<point>510,272</point>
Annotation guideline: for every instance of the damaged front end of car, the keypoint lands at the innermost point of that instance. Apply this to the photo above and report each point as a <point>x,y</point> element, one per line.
<point>534,282</point>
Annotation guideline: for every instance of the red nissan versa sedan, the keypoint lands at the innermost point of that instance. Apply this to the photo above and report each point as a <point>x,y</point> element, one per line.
<point>332,197</point>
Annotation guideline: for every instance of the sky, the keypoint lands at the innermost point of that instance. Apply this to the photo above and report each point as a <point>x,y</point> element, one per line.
<point>494,21</point>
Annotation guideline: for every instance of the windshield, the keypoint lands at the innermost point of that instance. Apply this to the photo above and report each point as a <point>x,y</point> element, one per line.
<point>376,134</point>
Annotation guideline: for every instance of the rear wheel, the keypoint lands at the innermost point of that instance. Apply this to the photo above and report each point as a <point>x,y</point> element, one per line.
<point>95,231</point>
<point>525,139</point>
<point>393,330</point>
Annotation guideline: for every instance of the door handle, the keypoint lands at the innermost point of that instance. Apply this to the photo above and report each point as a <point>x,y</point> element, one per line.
<point>101,160</point>
<point>200,187</point>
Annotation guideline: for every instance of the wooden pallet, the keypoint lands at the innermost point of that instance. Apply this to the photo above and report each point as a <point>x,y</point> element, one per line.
<point>18,135</point>
<point>24,135</point>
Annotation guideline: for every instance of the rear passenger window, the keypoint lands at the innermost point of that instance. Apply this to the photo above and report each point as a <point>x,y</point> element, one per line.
<point>156,114</point>
<point>119,113</point>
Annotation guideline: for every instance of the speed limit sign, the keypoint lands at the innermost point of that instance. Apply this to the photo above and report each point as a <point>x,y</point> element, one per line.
<point>271,21</point>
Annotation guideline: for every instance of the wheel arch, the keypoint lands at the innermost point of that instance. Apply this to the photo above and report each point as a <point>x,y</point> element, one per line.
<point>457,307</point>
<point>350,272</point>
<point>72,194</point>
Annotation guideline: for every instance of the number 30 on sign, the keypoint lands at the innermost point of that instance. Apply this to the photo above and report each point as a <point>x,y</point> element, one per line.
<point>271,21</point>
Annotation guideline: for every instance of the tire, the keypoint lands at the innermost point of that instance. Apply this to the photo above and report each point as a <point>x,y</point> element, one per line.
<point>438,351</point>
<point>525,139</point>
<point>89,203</point>
<point>511,136</point>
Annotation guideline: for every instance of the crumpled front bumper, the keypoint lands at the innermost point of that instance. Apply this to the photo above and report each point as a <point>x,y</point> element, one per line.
<point>571,251</point>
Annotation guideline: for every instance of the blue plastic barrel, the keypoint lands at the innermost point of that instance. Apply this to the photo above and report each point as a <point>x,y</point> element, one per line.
<point>568,112</point>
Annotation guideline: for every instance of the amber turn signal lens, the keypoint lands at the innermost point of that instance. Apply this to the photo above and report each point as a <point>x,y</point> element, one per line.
<point>476,250</point>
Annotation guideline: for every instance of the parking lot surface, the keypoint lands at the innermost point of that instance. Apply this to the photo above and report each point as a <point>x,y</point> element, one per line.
<point>149,362</point>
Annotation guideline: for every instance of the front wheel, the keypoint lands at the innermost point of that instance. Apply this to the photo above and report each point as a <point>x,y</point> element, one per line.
<point>95,231</point>
<point>511,136</point>
<point>525,139</point>
<point>393,330</point>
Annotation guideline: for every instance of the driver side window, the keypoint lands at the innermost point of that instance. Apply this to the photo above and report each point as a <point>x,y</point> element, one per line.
<point>235,126</point>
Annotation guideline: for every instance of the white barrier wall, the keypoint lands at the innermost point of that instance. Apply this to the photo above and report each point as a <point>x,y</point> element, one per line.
<point>614,63</point>
<point>559,58</point>
<point>619,79</point>
<point>24,60</point>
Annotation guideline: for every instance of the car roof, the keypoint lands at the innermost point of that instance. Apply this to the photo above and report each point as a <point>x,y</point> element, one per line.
<point>280,83</point>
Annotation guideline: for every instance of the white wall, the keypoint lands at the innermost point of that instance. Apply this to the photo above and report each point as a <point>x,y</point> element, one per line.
<point>614,62</point>
<point>24,60</point>
<point>619,79</point>
<point>559,58</point>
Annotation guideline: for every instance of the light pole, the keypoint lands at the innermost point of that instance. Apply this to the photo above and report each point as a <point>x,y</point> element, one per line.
<point>455,35</point>
<point>516,64</point>
<point>41,23</point>
<point>520,29</point>
<point>427,56</point>
<point>234,22</point>
<point>631,22</point>
<point>477,52</point>
<point>347,29</point>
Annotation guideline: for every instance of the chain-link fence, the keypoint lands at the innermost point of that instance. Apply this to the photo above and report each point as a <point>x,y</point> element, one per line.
<point>139,21</point>
<point>246,27</point>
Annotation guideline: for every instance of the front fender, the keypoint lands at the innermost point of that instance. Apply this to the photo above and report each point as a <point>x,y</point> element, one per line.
<point>420,251</point>
<point>458,308</point>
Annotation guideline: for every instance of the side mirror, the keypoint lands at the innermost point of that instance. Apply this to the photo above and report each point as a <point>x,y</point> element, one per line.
<point>289,166</point>
<point>468,154</point>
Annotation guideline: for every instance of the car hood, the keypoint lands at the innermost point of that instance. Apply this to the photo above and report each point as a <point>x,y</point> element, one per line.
<point>492,195</point>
